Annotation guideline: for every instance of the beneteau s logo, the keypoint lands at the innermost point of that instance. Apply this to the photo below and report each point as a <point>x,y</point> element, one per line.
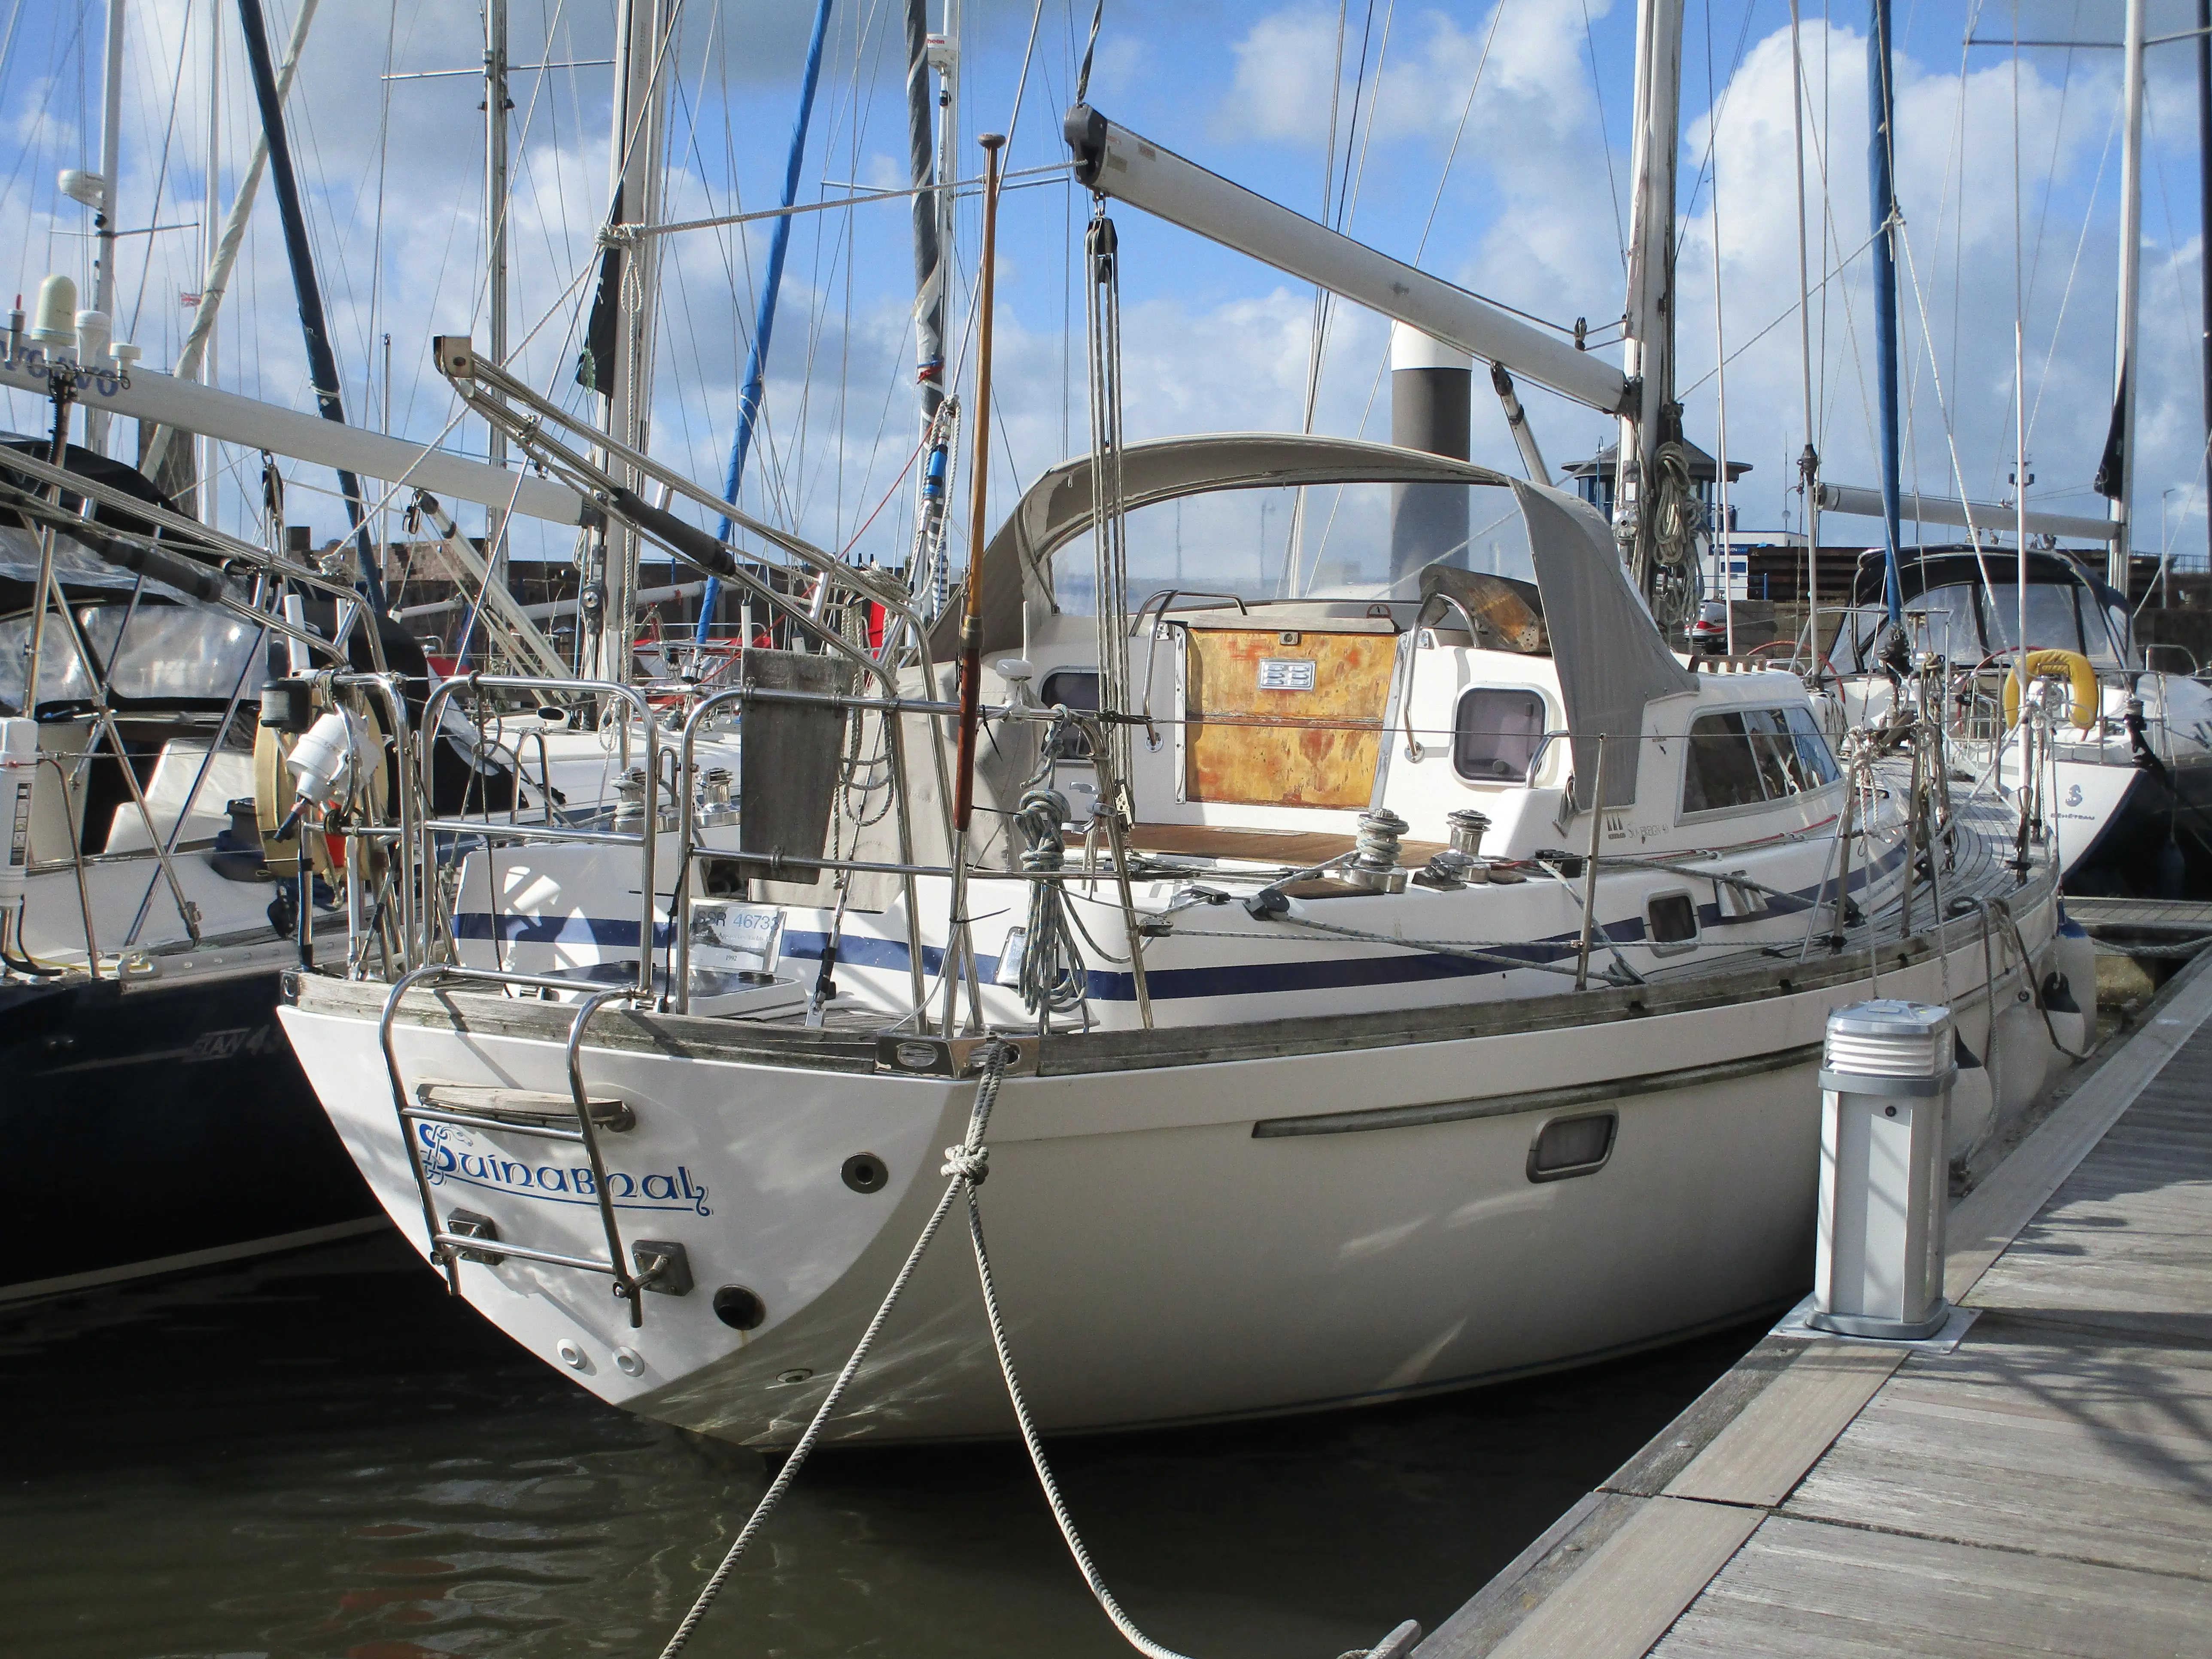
<point>453,1154</point>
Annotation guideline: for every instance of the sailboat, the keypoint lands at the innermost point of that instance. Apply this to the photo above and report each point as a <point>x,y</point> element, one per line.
<point>2121,777</point>
<point>142,927</point>
<point>1368,993</point>
<point>152,895</point>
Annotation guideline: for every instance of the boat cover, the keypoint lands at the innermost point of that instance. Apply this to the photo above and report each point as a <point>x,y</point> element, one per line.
<point>1611,658</point>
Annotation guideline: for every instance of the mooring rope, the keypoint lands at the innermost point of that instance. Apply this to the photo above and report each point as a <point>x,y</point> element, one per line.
<point>2188,947</point>
<point>967,1164</point>
<point>789,1472</point>
<point>974,1167</point>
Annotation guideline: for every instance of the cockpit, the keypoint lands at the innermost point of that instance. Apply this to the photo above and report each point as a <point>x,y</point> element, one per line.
<point>1962,604</point>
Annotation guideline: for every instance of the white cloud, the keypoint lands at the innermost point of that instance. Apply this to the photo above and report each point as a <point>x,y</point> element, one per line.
<point>1285,70</point>
<point>1528,215</point>
<point>1956,300</point>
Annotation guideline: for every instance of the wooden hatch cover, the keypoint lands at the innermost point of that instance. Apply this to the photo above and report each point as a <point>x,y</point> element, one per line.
<point>1285,717</point>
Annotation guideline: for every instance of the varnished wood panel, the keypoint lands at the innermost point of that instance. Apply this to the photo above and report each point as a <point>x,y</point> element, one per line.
<point>1250,746</point>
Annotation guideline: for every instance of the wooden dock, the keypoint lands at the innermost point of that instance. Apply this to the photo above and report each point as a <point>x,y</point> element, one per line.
<point>2045,1488</point>
<point>2147,916</point>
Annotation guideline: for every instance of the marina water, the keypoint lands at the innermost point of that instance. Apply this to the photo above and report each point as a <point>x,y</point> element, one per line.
<point>321,1456</point>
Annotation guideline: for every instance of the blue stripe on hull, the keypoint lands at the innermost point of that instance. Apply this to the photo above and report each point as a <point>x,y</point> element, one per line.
<point>1169,984</point>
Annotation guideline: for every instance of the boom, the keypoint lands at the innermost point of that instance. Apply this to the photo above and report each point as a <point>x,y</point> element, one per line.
<point>1115,162</point>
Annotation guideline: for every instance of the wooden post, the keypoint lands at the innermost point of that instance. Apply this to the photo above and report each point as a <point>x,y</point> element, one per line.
<point>971,619</point>
<point>959,946</point>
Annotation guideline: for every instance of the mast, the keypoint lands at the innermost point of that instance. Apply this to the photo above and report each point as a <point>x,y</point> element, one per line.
<point>211,237</point>
<point>495,106</point>
<point>322,362</point>
<point>2116,476</point>
<point>619,355</point>
<point>111,163</point>
<point>930,544</point>
<point>2204,188</point>
<point>1647,338</point>
<point>1809,462</point>
<point>944,57</point>
<point>755,386</point>
<point>929,247</point>
<point>1880,156</point>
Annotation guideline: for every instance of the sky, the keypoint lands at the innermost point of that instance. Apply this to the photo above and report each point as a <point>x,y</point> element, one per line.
<point>1487,142</point>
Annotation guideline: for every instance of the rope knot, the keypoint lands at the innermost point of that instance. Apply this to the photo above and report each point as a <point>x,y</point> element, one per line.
<point>969,1164</point>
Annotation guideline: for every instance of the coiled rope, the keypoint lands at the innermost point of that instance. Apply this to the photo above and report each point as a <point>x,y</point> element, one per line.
<point>1053,974</point>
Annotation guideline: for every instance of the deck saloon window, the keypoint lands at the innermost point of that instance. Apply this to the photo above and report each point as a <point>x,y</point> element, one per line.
<point>1745,757</point>
<point>1496,733</point>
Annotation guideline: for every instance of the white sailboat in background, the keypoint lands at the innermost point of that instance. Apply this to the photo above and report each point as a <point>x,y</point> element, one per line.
<point>140,948</point>
<point>2124,782</point>
<point>151,897</point>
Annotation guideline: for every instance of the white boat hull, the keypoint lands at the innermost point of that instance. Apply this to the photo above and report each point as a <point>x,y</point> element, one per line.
<point>1159,1260</point>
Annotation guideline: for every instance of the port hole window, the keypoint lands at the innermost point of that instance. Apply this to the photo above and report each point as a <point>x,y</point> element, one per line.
<point>1570,1146</point>
<point>1496,733</point>
<point>1672,921</point>
<point>1074,688</point>
<point>1745,757</point>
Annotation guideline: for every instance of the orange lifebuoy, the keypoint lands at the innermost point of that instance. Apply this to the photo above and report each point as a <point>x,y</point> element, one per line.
<point>2073,667</point>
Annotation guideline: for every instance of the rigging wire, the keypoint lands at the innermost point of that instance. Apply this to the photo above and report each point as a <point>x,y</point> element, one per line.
<point>1428,224</point>
<point>2019,364</point>
<point>1022,82</point>
<point>63,45</point>
<point>1090,49</point>
<point>160,174</point>
<point>1831,246</point>
<point>2081,245</point>
<point>691,110</point>
<point>1604,131</point>
<point>1292,578</point>
<point>1942,407</point>
<point>383,166</point>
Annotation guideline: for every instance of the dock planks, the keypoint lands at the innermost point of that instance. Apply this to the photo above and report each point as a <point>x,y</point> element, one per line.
<point>2153,915</point>
<point>2045,1488</point>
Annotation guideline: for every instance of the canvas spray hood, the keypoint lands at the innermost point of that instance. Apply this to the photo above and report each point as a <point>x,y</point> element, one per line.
<point>1610,657</point>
